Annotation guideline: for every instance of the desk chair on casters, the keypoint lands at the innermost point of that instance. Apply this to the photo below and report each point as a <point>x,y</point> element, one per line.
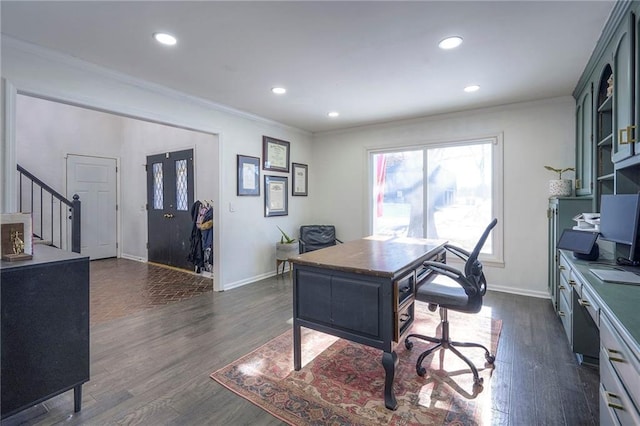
<point>462,292</point>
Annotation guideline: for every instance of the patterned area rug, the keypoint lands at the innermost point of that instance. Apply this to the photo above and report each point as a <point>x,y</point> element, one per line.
<point>342,383</point>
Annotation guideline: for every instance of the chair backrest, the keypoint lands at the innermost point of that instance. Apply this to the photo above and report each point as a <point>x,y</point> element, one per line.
<point>314,237</point>
<point>473,267</point>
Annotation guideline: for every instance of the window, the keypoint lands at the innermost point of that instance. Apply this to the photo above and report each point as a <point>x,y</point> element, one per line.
<point>447,191</point>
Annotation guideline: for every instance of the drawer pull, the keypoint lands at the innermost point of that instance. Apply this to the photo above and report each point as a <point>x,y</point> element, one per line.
<point>561,267</point>
<point>614,355</point>
<point>406,289</point>
<point>614,405</point>
<point>561,313</point>
<point>572,282</point>
<point>584,303</point>
<point>405,317</point>
<point>562,287</point>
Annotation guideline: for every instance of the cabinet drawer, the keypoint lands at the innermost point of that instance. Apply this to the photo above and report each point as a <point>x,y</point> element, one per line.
<point>616,406</point>
<point>564,294</point>
<point>587,301</point>
<point>564,312</point>
<point>616,354</point>
<point>405,288</point>
<point>403,320</point>
<point>564,268</point>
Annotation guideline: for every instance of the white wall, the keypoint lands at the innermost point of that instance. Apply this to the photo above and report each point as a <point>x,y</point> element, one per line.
<point>245,239</point>
<point>535,134</point>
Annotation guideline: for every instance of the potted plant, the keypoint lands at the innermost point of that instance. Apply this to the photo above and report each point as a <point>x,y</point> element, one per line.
<point>287,247</point>
<point>560,187</point>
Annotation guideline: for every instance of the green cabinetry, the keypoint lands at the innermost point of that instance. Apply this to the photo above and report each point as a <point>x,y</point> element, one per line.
<point>560,214</point>
<point>608,110</point>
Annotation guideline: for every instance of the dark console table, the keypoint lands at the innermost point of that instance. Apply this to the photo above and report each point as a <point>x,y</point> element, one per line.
<point>363,291</point>
<point>45,328</point>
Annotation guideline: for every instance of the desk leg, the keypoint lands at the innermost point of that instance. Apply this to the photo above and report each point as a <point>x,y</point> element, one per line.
<point>297,357</point>
<point>389,362</point>
<point>77,398</point>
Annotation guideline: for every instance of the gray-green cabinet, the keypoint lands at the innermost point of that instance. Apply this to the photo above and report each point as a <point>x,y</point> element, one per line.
<point>560,215</point>
<point>623,88</point>
<point>584,147</point>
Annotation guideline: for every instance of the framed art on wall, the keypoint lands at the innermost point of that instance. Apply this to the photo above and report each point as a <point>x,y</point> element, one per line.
<point>275,196</point>
<point>275,154</point>
<point>248,175</point>
<point>300,179</point>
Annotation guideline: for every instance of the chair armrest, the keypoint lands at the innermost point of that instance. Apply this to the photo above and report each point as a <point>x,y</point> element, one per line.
<point>458,251</point>
<point>444,269</point>
<point>454,274</point>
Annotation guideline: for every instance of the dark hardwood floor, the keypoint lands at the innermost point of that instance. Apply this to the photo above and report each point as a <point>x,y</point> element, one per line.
<point>152,367</point>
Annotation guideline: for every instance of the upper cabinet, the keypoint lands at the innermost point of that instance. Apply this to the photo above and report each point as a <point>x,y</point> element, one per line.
<point>584,151</point>
<point>623,88</point>
<point>608,110</point>
<point>604,134</point>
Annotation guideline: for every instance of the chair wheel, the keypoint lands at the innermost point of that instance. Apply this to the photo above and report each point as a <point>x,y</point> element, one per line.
<point>490,358</point>
<point>408,344</point>
<point>421,371</point>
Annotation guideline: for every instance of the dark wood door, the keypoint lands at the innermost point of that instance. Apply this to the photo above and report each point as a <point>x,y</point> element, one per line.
<point>169,201</point>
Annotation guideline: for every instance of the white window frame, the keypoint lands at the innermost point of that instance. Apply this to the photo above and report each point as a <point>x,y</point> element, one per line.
<point>497,174</point>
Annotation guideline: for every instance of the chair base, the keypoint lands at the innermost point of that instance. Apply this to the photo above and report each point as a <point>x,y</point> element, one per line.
<point>445,343</point>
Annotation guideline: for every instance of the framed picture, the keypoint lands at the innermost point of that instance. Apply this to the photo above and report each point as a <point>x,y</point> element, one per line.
<point>300,179</point>
<point>275,154</point>
<point>248,175</point>
<point>276,196</point>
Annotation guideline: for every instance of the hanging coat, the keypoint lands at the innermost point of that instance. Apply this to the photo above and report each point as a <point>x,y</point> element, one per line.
<point>196,253</point>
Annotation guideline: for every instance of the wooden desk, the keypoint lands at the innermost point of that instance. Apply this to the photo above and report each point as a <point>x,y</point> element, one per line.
<point>362,291</point>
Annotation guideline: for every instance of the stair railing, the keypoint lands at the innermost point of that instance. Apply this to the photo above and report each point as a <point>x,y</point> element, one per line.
<point>48,211</point>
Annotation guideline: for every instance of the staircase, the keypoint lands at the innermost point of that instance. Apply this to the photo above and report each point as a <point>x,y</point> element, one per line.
<point>55,219</point>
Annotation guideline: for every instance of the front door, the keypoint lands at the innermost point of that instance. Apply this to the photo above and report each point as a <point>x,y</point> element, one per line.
<point>169,201</point>
<point>94,180</point>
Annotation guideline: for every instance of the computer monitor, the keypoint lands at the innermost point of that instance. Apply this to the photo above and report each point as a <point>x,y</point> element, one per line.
<point>619,217</point>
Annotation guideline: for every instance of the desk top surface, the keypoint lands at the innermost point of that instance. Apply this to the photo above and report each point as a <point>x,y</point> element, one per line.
<point>378,256</point>
<point>622,301</point>
<point>42,254</point>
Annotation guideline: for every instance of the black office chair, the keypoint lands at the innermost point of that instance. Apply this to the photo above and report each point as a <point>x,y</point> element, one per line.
<point>314,237</point>
<point>452,289</point>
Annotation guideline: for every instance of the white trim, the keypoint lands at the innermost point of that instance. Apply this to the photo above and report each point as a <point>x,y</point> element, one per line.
<point>518,291</point>
<point>9,175</point>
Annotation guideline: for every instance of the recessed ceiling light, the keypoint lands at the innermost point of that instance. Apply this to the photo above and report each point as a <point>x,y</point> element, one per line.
<point>164,38</point>
<point>333,114</point>
<point>472,88</point>
<point>450,42</point>
<point>279,90</point>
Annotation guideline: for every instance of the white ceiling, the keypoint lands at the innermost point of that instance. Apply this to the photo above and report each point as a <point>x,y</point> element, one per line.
<point>371,61</point>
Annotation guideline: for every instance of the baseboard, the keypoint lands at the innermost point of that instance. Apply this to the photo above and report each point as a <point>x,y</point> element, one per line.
<point>519,291</point>
<point>130,257</point>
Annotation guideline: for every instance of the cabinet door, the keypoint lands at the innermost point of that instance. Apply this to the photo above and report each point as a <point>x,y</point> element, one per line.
<point>584,143</point>
<point>623,89</point>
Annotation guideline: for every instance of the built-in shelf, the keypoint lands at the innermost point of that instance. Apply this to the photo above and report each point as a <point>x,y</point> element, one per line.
<point>606,177</point>
<point>606,105</point>
<point>607,140</point>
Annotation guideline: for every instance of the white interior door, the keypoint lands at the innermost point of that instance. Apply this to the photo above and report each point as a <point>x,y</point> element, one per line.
<point>94,180</point>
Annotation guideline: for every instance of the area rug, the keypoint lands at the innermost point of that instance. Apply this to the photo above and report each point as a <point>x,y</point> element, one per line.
<point>342,383</point>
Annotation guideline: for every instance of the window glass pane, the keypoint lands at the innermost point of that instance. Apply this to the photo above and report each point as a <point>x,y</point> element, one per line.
<point>182,193</point>
<point>449,197</point>
<point>158,189</point>
<point>398,193</point>
<point>459,193</point>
